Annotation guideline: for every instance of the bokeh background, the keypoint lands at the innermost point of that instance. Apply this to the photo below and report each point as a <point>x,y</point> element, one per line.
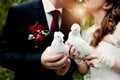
<point>86,21</point>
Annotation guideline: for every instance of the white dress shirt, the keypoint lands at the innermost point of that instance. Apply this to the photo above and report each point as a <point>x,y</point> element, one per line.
<point>48,7</point>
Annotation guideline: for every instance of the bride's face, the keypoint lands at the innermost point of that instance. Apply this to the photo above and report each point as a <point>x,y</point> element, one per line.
<point>93,5</point>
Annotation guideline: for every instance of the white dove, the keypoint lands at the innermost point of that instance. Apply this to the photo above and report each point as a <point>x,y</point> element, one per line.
<point>76,40</point>
<point>57,44</point>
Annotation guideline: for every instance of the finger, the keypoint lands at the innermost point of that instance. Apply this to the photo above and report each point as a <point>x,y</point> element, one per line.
<point>89,57</point>
<point>68,63</point>
<point>63,70</point>
<point>47,61</point>
<point>55,57</point>
<point>65,66</point>
<point>77,55</point>
<point>58,64</point>
<point>90,63</point>
<point>69,45</point>
<point>72,51</point>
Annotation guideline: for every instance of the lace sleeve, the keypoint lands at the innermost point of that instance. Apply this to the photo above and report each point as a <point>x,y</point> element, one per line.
<point>115,37</point>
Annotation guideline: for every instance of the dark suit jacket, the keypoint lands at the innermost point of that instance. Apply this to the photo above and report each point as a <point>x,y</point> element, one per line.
<point>17,53</point>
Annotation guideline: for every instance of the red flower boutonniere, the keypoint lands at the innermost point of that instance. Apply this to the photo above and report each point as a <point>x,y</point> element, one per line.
<point>37,34</point>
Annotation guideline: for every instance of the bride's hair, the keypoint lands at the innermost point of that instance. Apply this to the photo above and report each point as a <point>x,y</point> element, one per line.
<point>108,24</point>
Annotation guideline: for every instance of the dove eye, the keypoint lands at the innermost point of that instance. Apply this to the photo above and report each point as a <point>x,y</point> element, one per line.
<point>75,29</point>
<point>58,36</point>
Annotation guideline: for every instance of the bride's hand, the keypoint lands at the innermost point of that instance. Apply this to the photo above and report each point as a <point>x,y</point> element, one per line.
<point>81,65</point>
<point>92,58</point>
<point>72,52</point>
<point>99,60</point>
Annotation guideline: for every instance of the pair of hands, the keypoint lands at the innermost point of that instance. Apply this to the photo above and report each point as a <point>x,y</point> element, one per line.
<point>59,62</point>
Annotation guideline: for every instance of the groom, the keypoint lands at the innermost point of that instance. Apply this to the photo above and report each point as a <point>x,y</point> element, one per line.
<point>24,44</point>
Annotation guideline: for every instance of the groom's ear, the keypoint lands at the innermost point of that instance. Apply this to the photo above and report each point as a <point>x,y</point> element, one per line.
<point>107,6</point>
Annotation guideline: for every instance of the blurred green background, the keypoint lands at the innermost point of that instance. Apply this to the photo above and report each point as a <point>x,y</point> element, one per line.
<point>6,74</point>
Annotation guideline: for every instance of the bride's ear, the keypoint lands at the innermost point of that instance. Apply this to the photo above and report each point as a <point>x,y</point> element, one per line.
<point>107,6</point>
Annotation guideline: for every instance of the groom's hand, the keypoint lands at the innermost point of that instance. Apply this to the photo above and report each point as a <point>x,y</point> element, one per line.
<point>55,62</point>
<point>62,71</point>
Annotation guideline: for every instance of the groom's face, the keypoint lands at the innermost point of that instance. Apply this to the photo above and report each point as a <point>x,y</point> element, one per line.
<point>70,3</point>
<point>65,3</point>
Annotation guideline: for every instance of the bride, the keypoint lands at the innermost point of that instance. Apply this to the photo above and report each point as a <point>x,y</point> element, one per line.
<point>104,37</point>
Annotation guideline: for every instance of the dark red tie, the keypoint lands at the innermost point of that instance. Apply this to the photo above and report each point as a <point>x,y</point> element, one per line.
<point>54,24</point>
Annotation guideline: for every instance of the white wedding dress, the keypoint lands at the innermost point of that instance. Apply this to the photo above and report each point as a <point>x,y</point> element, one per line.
<point>108,50</point>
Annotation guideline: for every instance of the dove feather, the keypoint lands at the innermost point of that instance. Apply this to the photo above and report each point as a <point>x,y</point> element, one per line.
<point>57,44</point>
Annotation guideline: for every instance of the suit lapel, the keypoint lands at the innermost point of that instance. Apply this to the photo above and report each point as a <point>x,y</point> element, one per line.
<point>40,14</point>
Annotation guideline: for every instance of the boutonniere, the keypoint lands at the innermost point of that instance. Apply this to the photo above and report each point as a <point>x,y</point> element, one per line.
<point>37,34</point>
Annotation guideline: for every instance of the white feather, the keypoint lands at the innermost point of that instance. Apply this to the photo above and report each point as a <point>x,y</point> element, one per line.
<point>76,40</point>
<point>57,44</point>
